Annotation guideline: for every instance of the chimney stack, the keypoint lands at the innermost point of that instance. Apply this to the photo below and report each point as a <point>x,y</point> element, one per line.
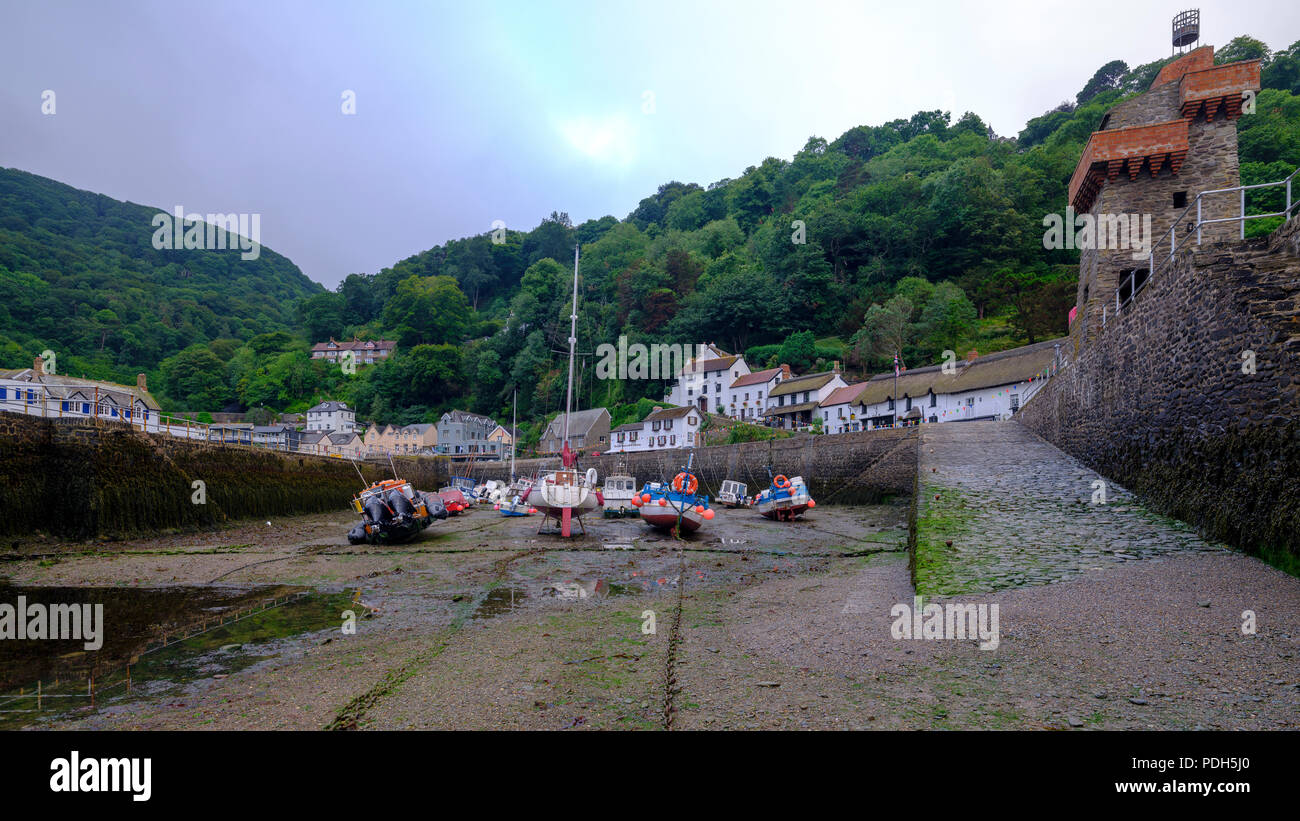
<point>38,365</point>
<point>785,371</point>
<point>141,383</point>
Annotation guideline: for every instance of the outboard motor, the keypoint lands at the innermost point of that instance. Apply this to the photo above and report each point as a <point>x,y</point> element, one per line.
<point>357,535</point>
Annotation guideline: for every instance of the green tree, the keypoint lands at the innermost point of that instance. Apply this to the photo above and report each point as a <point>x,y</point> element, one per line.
<point>193,379</point>
<point>427,310</point>
<point>948,317</point>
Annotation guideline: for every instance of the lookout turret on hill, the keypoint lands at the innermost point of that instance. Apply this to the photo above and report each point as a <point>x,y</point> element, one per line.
<point>1151,158</point>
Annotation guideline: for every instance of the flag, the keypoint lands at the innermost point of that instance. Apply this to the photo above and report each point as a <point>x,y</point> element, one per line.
<point>895,364</point>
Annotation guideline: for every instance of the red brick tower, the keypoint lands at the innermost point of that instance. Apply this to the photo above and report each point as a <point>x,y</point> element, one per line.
<point>1153,155</point>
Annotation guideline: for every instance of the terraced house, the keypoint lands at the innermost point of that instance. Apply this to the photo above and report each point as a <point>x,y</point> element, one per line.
<point>417,438</point>
<point>32,391</point>
<point>365,352</point>
<point>792,403</point>
<point>461,434</point>
<point>983,387</point>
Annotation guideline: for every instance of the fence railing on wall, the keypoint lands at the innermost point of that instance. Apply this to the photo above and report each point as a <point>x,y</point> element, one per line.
<point>1166,247</point>
<point>38,400</point>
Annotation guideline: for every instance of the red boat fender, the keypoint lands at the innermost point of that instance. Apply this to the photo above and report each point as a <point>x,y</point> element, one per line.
<point>600,498</point>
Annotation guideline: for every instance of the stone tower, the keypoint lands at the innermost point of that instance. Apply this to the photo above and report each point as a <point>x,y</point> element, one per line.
<point>1153,155</point>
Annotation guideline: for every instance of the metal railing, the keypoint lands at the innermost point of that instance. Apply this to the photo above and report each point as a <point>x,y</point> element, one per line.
<point>1170,237</point>
<point>38,400</point>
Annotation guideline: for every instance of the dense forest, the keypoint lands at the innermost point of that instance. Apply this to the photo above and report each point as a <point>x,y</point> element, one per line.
<point>922,234</point>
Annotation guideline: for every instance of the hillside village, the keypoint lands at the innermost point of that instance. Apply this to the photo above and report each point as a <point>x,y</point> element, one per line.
<point>716,384</point>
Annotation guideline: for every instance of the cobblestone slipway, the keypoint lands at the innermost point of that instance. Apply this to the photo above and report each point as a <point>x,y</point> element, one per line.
<point>1020,512</point>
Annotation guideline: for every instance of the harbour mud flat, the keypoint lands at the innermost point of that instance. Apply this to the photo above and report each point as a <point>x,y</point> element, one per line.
<point>484,623</point>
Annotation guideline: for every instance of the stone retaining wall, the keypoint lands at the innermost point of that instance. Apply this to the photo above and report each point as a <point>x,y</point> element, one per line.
<point>1159,400</point>
<point>848,468</point>
<point>74,479</point>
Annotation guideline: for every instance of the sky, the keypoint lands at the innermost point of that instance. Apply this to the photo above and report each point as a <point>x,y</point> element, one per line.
<point>471,112</point>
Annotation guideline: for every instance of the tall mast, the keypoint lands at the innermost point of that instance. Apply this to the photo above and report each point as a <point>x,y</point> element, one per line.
<point>573,340</point>
<point>514,431</point>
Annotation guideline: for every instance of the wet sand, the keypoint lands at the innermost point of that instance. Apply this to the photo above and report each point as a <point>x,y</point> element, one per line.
<point>482,623</point>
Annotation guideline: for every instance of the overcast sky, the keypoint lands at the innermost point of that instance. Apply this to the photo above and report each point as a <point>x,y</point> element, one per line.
<point>471,112</point>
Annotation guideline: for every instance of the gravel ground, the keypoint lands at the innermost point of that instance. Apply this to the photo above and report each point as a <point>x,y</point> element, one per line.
<point>484,624</point>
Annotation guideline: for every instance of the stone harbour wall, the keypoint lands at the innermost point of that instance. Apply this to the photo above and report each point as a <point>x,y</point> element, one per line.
<point>71,478</point>
<point>848,468</point>
<point>1162,399</point>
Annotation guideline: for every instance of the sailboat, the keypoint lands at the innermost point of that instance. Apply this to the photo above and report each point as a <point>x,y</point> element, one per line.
<point>568,493</point>
<point>513,505</point>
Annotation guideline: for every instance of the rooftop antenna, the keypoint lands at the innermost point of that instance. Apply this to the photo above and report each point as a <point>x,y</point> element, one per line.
<point>1186,30</point>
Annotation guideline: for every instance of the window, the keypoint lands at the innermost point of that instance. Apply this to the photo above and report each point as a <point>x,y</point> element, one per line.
<point>668,424</point>
<point>933,399</point>
<point>672,440</point>
<point>760,394</point>
<point>1180,199</point>
<point>908,400</point>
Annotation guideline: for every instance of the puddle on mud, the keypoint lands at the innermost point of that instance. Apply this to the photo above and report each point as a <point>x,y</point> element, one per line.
<point>227,630</point>
<point>499,601</point>
<point>502,600</point>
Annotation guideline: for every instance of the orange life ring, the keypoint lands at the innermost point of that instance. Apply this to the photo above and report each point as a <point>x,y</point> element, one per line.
<point>679,481</point>
<point>781,482</point>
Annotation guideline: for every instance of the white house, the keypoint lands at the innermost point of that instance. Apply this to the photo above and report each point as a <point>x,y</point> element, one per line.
<point>838,411</point>
<point>983,387</point>
<point>662,429</point>
<point>747,396</point>
<point>335,417</point>
<point>791,404</point>
<point>705,381</point>
<point>627,438</point>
